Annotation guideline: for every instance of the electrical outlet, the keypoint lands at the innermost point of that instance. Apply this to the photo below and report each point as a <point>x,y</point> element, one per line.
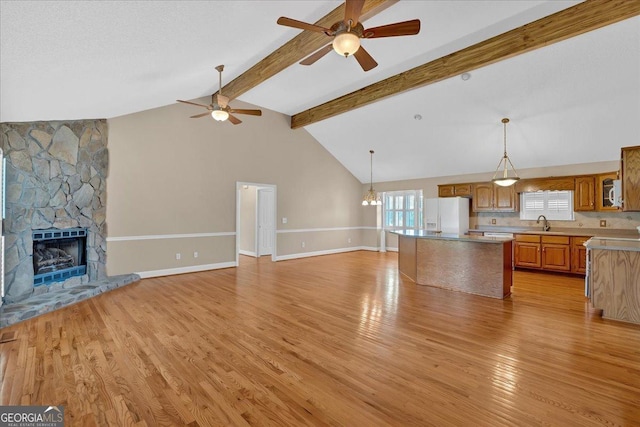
<point>303,244</point>
<point>178,256</point>
<point>195,254</point>
<point>603,223</point>
<point>284,220</point>
<point>349,240</point>
<point>493,220</point>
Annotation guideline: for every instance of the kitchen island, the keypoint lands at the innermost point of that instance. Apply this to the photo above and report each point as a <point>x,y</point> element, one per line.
<point>473,264</point>
<point>613,277</point>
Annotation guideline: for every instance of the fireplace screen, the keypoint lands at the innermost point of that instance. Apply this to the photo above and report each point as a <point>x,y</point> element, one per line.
<point>59,254</point>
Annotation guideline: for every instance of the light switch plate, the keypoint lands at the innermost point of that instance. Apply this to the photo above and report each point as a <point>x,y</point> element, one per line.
<point>603,223</point>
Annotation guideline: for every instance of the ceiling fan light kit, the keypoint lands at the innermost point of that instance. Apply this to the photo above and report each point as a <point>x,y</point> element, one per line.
<point>371,198</point>
<point>346,44</point>
<point>506,179</point>
<point>219,115</point>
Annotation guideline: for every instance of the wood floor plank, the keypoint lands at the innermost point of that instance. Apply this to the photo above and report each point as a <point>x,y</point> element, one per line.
<point>331,340</point>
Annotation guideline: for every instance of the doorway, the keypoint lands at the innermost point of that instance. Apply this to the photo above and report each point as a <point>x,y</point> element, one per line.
<point>255,220</point>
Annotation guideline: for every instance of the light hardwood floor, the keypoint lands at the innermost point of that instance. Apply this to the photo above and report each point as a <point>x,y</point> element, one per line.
<point>331,340</point>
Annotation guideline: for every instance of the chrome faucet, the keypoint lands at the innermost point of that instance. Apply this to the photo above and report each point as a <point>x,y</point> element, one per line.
<point>546,226</point>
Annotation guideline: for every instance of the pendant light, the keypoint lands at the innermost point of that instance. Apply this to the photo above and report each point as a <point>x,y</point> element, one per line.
<point>505,180</point>
<point>371,198</point>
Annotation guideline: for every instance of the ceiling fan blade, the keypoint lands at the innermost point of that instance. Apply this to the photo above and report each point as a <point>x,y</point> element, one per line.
<point>352,10</point>
<point>197,116</point>
<point>249,112</point>
<point>193,103</point>
<point>365,60</point>
<point>406,28</point>
<point>317,55</point>
<point>288,22</point>
<point>233,119</point>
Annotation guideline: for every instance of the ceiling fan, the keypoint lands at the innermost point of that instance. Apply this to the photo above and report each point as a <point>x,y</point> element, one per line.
<point>219,108</point>
<point>347,33</point>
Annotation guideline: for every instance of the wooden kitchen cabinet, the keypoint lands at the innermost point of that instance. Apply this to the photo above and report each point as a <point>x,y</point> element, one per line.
<point>630,168</point>
<point>584,194</point>
<point>556,253</point>
<point>604,183</point>
<point>527,251</point>
<point>579,255</point>
<point>454,190</point>
<point>488,197</point>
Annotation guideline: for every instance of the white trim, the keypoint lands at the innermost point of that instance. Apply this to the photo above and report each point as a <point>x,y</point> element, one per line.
<point>326,252</point>
<point>248,253</point>
<point>311,230</point>
<point>182,270</point>
<point>392,249</point>
<point>170,236</point>
<point>239,185</point>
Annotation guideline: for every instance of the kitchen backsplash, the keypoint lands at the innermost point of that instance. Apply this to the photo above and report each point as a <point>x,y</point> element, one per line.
<point>615,220</point>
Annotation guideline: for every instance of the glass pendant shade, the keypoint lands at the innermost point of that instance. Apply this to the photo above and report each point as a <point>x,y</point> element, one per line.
<point>220,115</point>
<point>504,178</point>
<point>346,44</point>
<point>371,198</point>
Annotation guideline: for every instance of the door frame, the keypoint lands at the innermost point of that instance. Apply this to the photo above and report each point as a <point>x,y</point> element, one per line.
<point>239,185</point>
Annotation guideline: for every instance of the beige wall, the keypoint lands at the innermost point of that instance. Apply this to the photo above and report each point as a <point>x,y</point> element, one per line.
<point>172,175</point>
<point>247,238</point>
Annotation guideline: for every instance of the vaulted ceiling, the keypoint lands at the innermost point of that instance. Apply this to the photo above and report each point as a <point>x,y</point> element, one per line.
<point>574,101</point>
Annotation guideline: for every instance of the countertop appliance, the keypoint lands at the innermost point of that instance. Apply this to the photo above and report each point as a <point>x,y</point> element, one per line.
<point>447,215</point>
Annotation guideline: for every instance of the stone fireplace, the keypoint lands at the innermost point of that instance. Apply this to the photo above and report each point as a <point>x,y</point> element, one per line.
<point>55,183</point>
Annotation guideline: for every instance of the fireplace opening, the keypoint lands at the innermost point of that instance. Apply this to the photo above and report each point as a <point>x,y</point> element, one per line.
<point>59,254</point>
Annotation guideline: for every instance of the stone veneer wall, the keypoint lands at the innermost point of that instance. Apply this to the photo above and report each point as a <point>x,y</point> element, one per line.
<point>55,178</point>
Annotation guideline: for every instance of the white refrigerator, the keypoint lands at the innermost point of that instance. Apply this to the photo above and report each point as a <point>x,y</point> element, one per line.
<point>447,215</point>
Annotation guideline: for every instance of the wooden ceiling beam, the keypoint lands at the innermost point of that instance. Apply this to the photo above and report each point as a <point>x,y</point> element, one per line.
<point>296,49</point>
<point>571,22</point>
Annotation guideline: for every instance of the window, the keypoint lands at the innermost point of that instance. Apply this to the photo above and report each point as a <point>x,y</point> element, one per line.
<point>402,209</point>
<point>556,205</point>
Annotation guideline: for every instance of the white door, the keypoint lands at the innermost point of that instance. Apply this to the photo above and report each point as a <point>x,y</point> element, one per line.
<point>266,221</point>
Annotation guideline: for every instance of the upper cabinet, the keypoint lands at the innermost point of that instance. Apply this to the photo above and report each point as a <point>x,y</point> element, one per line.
<point>488,197</point>
<point>454,190</point>
<point>631,178</point>
<point>604,185</point>
<point>584,194</point>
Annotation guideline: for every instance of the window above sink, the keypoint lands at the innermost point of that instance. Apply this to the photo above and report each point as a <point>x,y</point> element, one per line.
<point>556,205</point>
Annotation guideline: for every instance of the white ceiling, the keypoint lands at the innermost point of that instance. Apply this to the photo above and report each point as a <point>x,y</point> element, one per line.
<point>576,101</point>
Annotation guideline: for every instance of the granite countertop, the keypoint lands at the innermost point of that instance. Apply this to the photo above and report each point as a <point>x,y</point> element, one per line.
<point>615,244</point>
<point>424,234</point>
<point>586,232</point>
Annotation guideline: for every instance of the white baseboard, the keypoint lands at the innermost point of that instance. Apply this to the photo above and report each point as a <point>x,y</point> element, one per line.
<point>392,249</point>
<point>248,253</point>
<point>182,270</point>
<point>326,252</point>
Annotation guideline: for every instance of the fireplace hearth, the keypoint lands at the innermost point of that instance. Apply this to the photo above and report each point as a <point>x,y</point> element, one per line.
<point>59,254</point>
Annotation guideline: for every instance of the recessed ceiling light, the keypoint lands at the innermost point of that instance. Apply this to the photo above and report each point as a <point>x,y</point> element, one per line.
<point>465,76</point>
<point>417,117</point>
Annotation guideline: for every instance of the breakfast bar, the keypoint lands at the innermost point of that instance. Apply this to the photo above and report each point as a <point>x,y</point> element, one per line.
<point>473,264</point>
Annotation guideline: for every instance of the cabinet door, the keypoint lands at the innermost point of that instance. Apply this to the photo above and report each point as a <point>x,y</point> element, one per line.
<point>556,257</point>
<point>579,260</point>
<point>584,195</point>
<point>604,183</point>
<point>631,178</point>
<point>483,197</point>
<point>527,254</point>
<point>446,191</point>
<point>462,190</point>
<point>505,199</point>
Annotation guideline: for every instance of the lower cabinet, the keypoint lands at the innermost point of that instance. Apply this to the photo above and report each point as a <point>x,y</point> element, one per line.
<point>579,255</point>
<point>527,251</point>
<point>556,253</point>
<point>550,253</point>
